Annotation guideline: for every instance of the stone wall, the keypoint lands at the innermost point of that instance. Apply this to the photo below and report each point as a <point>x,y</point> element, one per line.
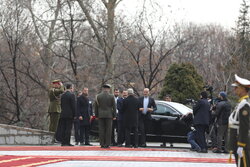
<point>14,135</point>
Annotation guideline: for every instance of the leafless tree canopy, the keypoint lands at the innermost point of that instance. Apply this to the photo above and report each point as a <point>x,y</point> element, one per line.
<point>88,43</point>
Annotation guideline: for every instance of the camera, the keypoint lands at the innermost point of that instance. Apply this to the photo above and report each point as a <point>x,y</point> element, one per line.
<point>208,88</point>
<point>191,102</point>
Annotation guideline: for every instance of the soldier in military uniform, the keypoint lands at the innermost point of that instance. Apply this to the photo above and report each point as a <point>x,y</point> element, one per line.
<point>105,112</point>
<point>239,124</point>
<point>54,106</point>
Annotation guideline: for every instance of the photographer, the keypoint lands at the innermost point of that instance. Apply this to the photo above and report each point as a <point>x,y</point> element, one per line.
<point>191,135</point>
<point>222,112</point>
<point>201,113</point>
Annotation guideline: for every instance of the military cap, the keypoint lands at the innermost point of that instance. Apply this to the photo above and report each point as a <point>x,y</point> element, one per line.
<point>241,82</point>
<point>56,81</point>
<point>106,86</point>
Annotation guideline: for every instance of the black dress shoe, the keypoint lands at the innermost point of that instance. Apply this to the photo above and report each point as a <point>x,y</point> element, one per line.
<point>102,146</point>
<point>202,151</point>
<point>67,145</point>
<point>143,145</point>
<point>217,151</point>
<point>128,146</point>
<point>106,146</point>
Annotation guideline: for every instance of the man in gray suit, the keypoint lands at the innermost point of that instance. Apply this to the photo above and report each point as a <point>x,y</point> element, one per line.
<point>105,112</point>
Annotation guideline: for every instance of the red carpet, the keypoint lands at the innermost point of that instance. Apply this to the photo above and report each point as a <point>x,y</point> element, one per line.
<point>26,161</point>
<point>148,159</point>
<point>77,148</point>
<point>31,160</point>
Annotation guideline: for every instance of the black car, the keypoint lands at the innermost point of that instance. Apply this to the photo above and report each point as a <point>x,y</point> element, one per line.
<point>166,124</point>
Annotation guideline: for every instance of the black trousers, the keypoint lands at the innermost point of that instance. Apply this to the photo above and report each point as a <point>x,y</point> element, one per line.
<point>66,125</point>
<point>143,125</point>
<point>221,134</point>
<point>128,130</point>
<point>84,134</point>
<point>200,136</point>
<point>121,131</point>
<point>77,130</point>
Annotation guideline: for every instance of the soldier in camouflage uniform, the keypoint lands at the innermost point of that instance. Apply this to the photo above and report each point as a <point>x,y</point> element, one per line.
<point>239,124</point>
<point>54,107</point>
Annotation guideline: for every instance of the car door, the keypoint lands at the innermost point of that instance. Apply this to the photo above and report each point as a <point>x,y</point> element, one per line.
<point>165,120</point>
<point>167,123</point>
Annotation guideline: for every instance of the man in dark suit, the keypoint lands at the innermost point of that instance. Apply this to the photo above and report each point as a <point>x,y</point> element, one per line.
<point>120,119</point>
<point>105,112</point>
<point>147,105</point>
<point>130,110</point>
<point>68,106</point>
<point>114,123</point>
<point>201,113</point>
<point>84,114</point>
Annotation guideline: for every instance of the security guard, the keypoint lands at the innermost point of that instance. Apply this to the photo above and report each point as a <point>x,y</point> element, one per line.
<point>54,107</point>
<point>239,123</point>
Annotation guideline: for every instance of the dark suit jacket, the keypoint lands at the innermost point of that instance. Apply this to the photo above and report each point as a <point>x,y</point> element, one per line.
<point>201,112</point>
<point>151,104</point>
<point>119,108</point>
<point>68,105</point>
<point>130,109</point>
<point>84,109</point>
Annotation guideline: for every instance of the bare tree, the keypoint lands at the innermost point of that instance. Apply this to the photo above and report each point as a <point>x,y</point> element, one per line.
<point>13,30</point>
<point>107,41</point>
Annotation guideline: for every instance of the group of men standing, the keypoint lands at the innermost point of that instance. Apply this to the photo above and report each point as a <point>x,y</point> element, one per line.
<point>131,114</point>
<point>65,110</point>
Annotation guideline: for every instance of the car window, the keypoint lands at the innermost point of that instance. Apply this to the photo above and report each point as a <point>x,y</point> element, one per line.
<point>164,110</point>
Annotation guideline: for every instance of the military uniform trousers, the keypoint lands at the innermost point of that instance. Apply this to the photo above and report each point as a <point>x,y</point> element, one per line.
<point>105,131</point>
<point>54,119</point>
<point>247,159</point>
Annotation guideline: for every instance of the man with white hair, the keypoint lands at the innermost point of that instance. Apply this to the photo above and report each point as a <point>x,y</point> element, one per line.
<point>147,106</point>
<point>130,110</point>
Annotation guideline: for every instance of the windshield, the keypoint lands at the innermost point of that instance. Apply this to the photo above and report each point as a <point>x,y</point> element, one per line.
<point>179,107</point>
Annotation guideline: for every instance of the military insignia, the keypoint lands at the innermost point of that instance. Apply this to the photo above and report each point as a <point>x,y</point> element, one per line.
<point>245,113</point>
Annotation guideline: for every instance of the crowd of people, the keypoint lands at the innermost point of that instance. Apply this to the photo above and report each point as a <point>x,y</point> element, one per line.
<point>129,114</point>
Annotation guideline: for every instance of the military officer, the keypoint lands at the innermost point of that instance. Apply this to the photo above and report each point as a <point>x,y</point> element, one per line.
<point>239,123</point>
<point>54,106</point>
<point>105,112</point>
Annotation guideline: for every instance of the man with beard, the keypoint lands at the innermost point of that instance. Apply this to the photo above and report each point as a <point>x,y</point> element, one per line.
<point>84,114</point>
<point>68,106</point>
<point>147,106</point>
<point>120,119</point>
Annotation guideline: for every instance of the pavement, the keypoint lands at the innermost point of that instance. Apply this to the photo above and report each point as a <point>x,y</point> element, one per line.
<point>94,156</point>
